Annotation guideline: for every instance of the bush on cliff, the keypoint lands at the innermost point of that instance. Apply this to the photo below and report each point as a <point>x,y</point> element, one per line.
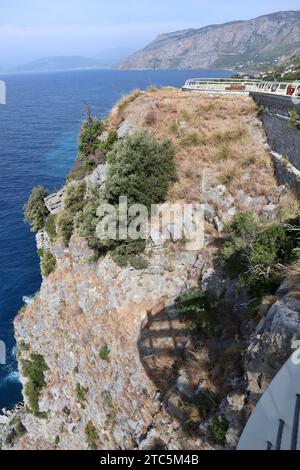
<point>74,200</point>
<point>48,262</point>
<point>65,226</point>
<point>253,252</point>
<point>74,203</point>
<point>91,435</point>
<point>86,222</point>
<point>34,370</point>
<point>197,309</point>
<point>141,168</point>
<point>35,210</point>
<point>50,226</point>
<point>88,138</point>
<point>107,144</point>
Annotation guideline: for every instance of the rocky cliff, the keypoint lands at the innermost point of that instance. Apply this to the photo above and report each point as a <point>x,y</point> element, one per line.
<point>253,43</point>
<point>114,365</point>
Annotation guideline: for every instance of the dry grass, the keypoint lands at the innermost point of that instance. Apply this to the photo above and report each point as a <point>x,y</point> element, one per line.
<point>289,207</point>
<point>221,133</point>
<point>152,89</point>
<point>230,172</point>
<point>126,100</point>
<point>191,139</point>
<point>151,118</point>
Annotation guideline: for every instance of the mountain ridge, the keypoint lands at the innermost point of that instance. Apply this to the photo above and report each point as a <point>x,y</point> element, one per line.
<point>256,42</point>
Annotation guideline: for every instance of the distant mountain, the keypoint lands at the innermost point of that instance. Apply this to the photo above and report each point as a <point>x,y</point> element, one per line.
<point>48,64</point>
<point>253,44</point>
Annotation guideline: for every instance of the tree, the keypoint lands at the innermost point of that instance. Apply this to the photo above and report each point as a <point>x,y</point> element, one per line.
<point>88,139</point>
<point>141,168</point>
<point>35,210</point>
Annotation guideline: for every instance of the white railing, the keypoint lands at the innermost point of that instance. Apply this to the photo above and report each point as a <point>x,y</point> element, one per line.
<point>274,424</point>
<point>243,86</point>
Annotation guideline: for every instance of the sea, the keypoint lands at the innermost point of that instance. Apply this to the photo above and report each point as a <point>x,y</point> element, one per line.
<point>39,126</point>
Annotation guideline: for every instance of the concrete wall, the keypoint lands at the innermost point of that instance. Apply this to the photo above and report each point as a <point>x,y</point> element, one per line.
<point>282,137</point>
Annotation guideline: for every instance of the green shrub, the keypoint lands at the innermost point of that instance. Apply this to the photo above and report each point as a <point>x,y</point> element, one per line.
<point>125,253</point>
<point>35,211</point>
<point>48,262</point>
<point>50,226</point>
<point>17,430</point>
<point>241,231</point>
<point>108,143</point>
<point>34,371</point>
<point>81,393</point>
<point>141,168</point>
<point>104,353</point>
<point>73,204</point>
<point>88,138</point>
<point>86,222</point>
<point>22,346</point>
<point>195,307</point>
<point>291,76</point>
<point>294,120</point>
<point>74,200</point>
<point>217,431</point>
<point>65,226</point>
<point>253,253</point>
<point>91,435</point>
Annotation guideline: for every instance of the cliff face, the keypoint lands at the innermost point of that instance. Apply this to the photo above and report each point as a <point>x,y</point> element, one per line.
<point>79,310</point>
<point>120,370</point>
<point>229,45</point>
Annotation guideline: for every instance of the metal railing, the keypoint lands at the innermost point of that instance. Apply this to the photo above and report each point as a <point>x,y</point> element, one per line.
<point>291,89</point>
<point>275,422</point>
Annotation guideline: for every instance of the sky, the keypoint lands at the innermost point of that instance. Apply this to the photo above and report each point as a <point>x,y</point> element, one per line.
<point>31,29</point>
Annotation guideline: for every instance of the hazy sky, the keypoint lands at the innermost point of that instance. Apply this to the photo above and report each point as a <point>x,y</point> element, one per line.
<point>37,28</point>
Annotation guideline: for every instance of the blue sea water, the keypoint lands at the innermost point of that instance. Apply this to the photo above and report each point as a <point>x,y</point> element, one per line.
<point>38,134</point>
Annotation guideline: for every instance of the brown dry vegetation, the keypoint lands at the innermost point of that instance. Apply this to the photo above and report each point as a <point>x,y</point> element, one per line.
<point>219,133</point>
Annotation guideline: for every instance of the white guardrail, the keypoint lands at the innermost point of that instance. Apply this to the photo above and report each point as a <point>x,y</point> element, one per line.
<point>291,89</point>
<point>274,424</point>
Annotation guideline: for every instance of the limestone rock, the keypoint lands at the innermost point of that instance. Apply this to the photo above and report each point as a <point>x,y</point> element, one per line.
<point>42,240</point>
<point>124,129</point>
<point>218,224</point>
<point>54,202</point>
<point>272,344</point>
<point>97,179</point>
<point>213,282</point>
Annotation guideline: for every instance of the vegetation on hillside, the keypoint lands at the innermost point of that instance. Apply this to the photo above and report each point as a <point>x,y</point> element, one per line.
<point>34,370</point>
<point>35,210</point>
<point>289,70</point>
<point>197,309</point>
<point>141,168</point>
<point>74,203</point>
<point>254,251</point>
<point>48,262</point>
<point>92,149</point>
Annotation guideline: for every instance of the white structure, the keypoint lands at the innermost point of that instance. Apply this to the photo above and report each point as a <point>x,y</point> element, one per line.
<point>274,424</point>
<point>244,87</point>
